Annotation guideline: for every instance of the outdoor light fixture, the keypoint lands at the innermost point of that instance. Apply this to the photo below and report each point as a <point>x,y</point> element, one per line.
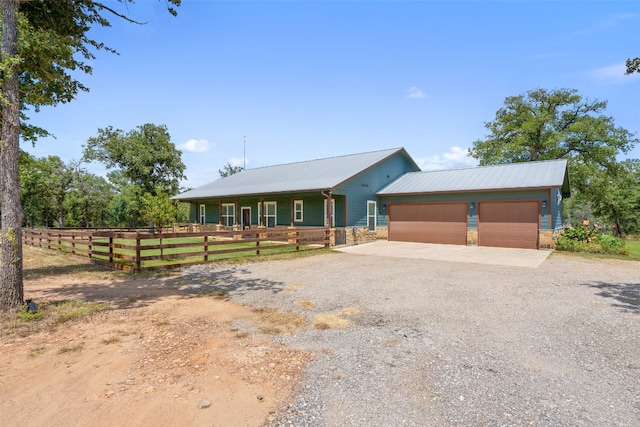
<point>472,205</point>
<point>544,203</point>
<point>31,306</point>
<point>384,207</point>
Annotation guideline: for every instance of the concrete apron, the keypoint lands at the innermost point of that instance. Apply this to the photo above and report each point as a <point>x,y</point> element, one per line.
<point>529,258</point>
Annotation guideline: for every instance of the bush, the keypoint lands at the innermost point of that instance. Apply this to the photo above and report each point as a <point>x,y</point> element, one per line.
<point>613,245</point>
<point>582,239</point>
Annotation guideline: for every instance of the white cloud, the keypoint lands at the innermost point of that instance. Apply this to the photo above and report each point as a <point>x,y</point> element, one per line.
<point>612,74</point>
<point>196,145</point>
<point>457,157</point>
<point>414,92</point>
<point>237,161</point>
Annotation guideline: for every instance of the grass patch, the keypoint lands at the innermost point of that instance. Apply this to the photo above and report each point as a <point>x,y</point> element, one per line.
<point>329,321</point>
<point>293,286</point>
<point>334,321</point>
<point>67,311</point>
<point>634,249</point>
<point>111,340</point>
<point>49,316</point>
<point>217,294</point>
<point>71,348</point>
<point>36,352</point>
<point>308,305</point>
<point>277,322</point>
<point>178,252</point>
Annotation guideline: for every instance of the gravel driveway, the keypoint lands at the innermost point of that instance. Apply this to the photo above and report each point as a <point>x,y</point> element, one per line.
<point>456,344</point>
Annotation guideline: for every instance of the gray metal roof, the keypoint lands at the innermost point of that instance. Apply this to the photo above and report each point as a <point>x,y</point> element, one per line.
<point>322,174</point>
<point>552,173</point>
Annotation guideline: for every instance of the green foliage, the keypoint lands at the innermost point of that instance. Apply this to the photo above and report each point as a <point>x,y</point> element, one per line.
<point>584,239</point>
<point>159,209</point>
<point>88,200</point>
<point>633,66</point>
<point>229,170</point>
<point>29,316</point>
<point>145,156</point>
<point>548,125</point>
<point>67,311</point>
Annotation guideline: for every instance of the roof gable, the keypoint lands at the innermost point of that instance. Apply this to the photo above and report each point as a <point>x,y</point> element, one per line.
<point>312,175</point>
<point>543,174</point>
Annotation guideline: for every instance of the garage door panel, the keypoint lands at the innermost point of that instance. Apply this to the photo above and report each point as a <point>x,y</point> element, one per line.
<point>508,224</point>
<point>444,223</point>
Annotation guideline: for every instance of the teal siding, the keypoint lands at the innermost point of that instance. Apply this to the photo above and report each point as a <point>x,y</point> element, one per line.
<point>540,195</point>
<point>364,187</point>
<point>557,208</point>
<point>312,214</point>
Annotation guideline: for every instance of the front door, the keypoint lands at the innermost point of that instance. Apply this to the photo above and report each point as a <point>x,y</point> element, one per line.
<point>246,217</point>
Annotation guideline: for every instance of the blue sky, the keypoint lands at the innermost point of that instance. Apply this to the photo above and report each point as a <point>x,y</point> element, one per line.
<point>310,79</point>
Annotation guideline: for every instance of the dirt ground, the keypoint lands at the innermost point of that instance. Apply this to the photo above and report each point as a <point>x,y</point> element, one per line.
<point>158,356</point>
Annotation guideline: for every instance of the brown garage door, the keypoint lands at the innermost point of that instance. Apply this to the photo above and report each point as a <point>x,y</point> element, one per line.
<point>508,224</point>
<point>444,223</point>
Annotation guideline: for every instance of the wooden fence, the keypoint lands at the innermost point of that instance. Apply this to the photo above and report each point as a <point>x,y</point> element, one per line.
<point>138,251</point>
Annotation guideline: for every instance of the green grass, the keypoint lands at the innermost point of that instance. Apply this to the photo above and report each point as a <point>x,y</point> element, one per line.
<point>632,245</point>
<point>245,250</point>
<point>50,316</point>
<point>634,249</point>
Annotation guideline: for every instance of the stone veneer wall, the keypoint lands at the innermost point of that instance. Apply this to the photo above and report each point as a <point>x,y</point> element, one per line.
<point>472,237</point>
<point>547,238</point>
<point>357,235</point>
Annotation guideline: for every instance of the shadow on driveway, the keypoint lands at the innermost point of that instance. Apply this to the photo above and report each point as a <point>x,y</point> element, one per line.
<point>626,296</point>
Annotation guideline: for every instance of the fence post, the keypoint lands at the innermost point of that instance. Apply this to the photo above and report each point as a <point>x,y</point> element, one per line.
<point>138,253</point>
<point>90,245</point>
<point>206,248</point>
<point>111,248</point>
<point>258,237</point>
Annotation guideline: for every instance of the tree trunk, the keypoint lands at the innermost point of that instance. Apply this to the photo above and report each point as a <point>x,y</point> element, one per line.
<point>11,286</point>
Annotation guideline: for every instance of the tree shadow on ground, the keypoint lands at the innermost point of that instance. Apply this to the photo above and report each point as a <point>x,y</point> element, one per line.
<point>626,296</point>
<point>127,290</point>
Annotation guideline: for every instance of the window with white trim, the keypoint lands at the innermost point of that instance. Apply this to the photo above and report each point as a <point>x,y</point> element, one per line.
<point>203,216</point>
<point>297,210</point>
<point>371,214</point>
<point>270,211</point>
<point>228,214</point>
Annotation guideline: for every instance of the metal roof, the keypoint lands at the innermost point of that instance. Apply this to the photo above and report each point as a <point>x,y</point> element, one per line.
<point>552,173</point>
<point>322,174</point>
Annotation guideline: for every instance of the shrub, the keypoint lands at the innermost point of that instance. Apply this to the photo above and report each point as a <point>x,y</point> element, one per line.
<point>582,239</point>
<point>613,245</point>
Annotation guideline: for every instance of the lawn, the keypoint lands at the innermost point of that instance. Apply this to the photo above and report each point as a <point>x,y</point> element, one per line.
<point>634,249</point>
<point>163,252</point>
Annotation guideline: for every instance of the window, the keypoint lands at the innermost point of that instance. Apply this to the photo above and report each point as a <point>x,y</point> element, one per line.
<point>270,210</point>
<point>297,210</point>
<point>371,214</point>
<point>333,213</point>
<point>228,214</point>
<point>203,217</point>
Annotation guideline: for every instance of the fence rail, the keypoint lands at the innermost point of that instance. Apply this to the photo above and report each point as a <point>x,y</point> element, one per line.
<point>138,251</point>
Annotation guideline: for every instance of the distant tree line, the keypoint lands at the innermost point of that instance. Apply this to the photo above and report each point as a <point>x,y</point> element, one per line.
<point>144,172</point>
<point>560,124</point>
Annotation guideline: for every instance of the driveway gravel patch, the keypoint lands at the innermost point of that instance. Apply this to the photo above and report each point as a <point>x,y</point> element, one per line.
<point>455,344</point>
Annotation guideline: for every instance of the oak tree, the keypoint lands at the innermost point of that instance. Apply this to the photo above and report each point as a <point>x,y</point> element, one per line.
<point>44,42</point>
